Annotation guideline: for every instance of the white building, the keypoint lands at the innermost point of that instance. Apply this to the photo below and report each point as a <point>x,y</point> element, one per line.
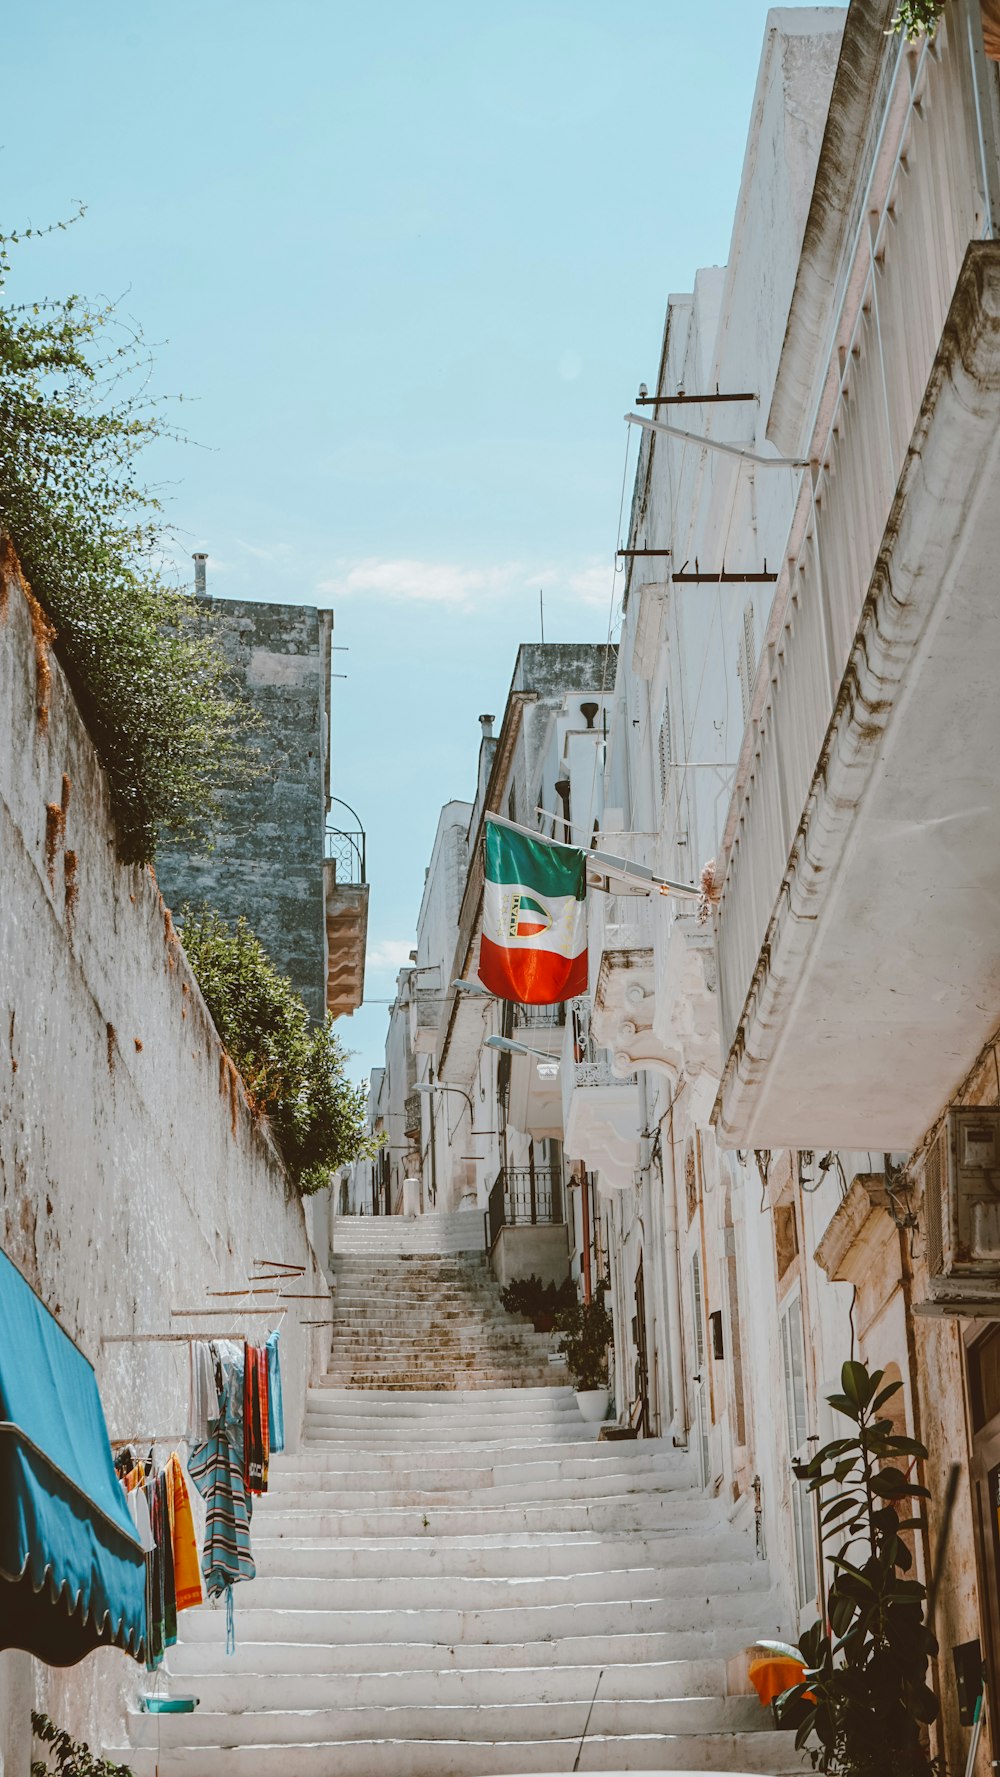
<point>805,702</point>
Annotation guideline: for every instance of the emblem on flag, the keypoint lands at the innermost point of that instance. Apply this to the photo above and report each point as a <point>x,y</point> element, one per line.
<point>533,947</point>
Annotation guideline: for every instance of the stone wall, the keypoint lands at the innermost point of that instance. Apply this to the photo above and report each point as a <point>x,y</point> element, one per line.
<point>132,1179</point>
<point>267,856</point>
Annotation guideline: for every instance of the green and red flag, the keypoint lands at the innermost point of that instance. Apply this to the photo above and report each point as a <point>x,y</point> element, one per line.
<point>533,947</point>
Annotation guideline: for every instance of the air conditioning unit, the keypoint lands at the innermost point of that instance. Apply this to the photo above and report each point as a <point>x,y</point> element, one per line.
<point>962,1211</point>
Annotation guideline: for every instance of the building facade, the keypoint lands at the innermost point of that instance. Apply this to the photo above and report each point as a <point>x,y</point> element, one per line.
<point>282,853</point>
<point>772,1125</point>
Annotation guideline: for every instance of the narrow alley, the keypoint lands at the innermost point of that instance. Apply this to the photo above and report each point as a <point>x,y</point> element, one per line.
<point>454,1568</point>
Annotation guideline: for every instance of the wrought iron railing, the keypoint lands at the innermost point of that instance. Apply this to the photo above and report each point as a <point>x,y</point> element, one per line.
<point>348,853</point>
<point>524,1196</point>
<point>539,1017</point>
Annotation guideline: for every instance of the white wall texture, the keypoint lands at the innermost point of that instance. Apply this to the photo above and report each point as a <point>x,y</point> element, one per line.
<point>132,1178</point>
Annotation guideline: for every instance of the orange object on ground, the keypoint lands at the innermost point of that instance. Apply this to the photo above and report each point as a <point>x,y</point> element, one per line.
<point>770,1674</point>
<point>187,1567</point>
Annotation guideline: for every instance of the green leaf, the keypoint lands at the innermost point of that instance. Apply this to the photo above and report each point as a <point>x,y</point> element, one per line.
<point>885,1394</point>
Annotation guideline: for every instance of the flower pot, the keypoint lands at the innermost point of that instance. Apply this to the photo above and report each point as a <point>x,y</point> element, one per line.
<point>593,1403</point>
<point>543,1323</point>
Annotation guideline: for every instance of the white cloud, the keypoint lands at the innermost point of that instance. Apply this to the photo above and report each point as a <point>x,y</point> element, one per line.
<point>389,953</point>
<point>460,585</point>
<point>592,585</point>
<point>424,582</point>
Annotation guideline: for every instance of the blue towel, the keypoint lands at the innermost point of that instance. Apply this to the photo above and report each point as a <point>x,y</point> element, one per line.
<point>275,1410</point>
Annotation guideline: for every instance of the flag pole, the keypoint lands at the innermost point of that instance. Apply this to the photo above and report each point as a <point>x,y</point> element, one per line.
<point>638,873</point>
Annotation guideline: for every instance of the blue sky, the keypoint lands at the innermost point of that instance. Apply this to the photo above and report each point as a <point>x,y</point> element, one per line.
<point>409,265</point>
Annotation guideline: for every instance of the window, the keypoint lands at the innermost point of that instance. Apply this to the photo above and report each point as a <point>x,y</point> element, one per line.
<point>747,664</point>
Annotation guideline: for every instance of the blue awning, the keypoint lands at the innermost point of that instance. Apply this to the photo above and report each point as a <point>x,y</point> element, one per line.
<point>72,1575</point>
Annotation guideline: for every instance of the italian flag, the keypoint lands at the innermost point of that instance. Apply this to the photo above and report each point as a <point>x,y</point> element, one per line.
<point>534,943</point>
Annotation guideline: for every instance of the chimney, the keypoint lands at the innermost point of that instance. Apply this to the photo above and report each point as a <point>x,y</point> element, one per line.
<point>486,724</point>
<point>199,559</point>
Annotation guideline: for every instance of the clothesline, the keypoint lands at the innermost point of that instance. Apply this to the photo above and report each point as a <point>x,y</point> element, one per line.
<point>225,1312</point>
<point>147,1438</point>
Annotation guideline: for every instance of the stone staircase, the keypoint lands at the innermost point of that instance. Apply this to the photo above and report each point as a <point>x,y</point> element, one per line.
<point>430,1322</point>
<point>447,1576</point>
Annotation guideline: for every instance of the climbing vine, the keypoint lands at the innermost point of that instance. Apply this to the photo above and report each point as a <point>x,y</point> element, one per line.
<point>293,1070</point>
<point>86,539</point>
<point>917,18</point>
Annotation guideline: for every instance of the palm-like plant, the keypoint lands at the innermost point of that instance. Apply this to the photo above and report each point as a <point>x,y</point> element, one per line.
<point>864,1702</point>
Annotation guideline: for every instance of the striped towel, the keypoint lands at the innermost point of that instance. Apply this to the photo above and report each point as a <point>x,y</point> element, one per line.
<point>216,1468</point>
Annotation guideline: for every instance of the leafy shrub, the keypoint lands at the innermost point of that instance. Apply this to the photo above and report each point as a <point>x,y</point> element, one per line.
<point>864,1696</point>
<point>89,543</point>
<point>293,1070</point>
<point>530,1296</point>
<point>587,1330</point>
<point>73,1758</point>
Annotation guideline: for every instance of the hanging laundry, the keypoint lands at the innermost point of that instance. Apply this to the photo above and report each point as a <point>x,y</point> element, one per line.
<point>188,1588</point>
<point>216,1468</point>
<point>275,1408</point>
<point>203,1407</point>
<point>138,1508</point>
<point>255,1411</point>
<point>162,1595</point>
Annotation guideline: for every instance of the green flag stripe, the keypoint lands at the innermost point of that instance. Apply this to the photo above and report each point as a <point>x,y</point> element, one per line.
<point>537,864</point>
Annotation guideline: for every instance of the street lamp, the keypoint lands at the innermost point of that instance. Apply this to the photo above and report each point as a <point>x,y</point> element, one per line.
<point>547,1067</point>
<point>441,1086</point>
<point>474,988</point>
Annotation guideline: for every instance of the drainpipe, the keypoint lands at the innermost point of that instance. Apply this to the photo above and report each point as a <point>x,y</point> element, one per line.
<point>672,1257</point>
<point>433,1120</point>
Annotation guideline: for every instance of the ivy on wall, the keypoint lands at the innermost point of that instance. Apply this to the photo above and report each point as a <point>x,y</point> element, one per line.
<point>90,547</point>
<point>917,18</point>
<point>293,1070</point>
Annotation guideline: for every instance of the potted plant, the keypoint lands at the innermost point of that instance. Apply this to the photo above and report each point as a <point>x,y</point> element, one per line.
<point>863,1702</point>
<point>587,1330</point>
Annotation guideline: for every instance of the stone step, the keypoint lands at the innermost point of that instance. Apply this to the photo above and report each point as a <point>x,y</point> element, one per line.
<point>563,1458</point>
<point>350,1471</point>
<point>378,1443</point>
<point>464,1423</point>
<point>428,1398</point>
<point>346,1497</point>
<point>763,1754</point>
<point>207,1652</point>
<point>495,1557</point>
<point>226,1688</point>
<point>749,1611</point>
<point>658,1511</point>
<point>496,1722</point>
<point>719,1580</point>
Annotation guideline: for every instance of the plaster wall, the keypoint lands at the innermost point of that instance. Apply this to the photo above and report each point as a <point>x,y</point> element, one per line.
<point>132,1177</point>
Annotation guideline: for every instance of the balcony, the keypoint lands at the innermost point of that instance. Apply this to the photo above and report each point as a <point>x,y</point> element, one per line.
<point>535,1097</point>
<point>346,887</point>
<point>858,962</point>
<point>526,1234</point>
<point>600,1105</point>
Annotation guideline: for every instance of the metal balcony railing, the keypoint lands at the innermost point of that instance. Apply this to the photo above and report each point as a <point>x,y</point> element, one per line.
<point>539,1017</point>
<point>348,853</point>
<point>524,1196</point>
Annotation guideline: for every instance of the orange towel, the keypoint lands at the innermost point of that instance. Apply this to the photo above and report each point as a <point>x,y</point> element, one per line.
<point>187,1568</point>
<point>774,1674</point>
